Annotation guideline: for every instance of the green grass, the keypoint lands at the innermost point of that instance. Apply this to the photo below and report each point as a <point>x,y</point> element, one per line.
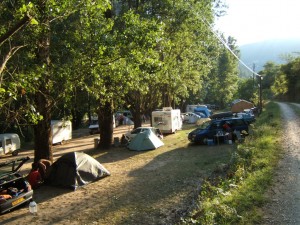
<point>236,198</point>
<point>157,183</point>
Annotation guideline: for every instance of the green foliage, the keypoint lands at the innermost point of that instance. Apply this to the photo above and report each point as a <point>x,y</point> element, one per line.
<point>222,82</point>
<point>235,198</point>
<point>247,89</point>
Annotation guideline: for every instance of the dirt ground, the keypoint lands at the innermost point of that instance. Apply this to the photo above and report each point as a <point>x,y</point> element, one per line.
<point>152,187</point>
<point>284,207</point>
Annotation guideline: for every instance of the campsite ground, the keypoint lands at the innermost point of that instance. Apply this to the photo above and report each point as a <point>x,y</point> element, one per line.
<point>152,187</point>
<point>156,187</point>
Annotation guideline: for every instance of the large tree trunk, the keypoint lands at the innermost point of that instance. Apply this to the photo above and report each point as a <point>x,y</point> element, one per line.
<point>42,131</point>
<point>105,119</point>
<point>136,109</point>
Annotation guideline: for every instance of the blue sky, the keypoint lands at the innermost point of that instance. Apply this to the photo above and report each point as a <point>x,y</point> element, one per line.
<point>251,21</point>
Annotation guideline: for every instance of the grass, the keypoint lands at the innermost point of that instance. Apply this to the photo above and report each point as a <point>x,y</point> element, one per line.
<point>162,183</point>
<point>236,198</point>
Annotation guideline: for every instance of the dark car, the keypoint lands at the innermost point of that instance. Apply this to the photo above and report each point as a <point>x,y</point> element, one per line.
<point>209,129</point>
<point>14,189</point>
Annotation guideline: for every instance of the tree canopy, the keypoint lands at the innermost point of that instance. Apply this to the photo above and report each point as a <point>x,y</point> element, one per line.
<point>64,60</point>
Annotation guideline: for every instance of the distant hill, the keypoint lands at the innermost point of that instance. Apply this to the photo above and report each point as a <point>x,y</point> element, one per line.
<point>261,52</point>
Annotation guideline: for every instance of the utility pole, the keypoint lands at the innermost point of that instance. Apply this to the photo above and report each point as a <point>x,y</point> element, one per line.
<point>260,92</point>
<point>253,72</point>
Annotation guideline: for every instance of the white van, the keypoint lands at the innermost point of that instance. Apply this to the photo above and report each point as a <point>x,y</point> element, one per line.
<point>9,143</point>
<point>168,120</point>
<point>61,131</point>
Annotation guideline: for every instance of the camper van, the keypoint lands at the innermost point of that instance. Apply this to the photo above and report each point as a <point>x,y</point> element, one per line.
<point>9,143</point>
<point>94,125</point>
<point>61,131</point>
<point>168,120</point>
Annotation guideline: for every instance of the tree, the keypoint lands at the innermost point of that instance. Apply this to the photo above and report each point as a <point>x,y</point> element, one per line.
<point>13,100</point>
<point>48,86</point>
<point>223,78</point>
<point>291,73</point>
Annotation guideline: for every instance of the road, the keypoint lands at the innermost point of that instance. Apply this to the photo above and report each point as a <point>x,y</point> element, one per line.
<point>284,208</point>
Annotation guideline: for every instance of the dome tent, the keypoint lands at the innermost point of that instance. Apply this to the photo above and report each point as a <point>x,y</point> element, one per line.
<point>75,169</point>
<point>146,140</point>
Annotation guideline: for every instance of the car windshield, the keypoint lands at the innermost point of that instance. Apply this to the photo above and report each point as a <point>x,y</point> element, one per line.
<point>204,125</point>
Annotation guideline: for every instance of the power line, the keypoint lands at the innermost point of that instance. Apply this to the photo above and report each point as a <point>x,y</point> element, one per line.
<point>226,46</point>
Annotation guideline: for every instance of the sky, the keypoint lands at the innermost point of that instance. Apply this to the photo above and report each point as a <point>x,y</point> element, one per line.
<point>250,21</point>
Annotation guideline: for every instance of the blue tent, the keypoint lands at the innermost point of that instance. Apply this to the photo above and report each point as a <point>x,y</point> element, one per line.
<point>204,110</point>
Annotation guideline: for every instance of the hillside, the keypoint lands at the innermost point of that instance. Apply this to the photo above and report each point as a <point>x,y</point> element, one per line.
<point>261,52</point>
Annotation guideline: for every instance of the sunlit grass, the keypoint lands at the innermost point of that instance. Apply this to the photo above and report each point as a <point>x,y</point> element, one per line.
<point>237,197</point>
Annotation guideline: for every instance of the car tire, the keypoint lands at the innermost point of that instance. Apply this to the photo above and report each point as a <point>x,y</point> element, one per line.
<point>15,153</point>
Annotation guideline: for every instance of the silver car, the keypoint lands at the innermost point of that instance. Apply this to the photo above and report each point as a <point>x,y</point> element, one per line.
<point>131,134</point>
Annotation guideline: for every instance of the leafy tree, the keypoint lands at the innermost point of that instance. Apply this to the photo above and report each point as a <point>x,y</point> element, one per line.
<point>223,79</point>
<point>247,89</point>
<point>280,85</point>
<point>46,81</point>
<point>269,73</point>
<point>14,83</point>
<point>291,71</point>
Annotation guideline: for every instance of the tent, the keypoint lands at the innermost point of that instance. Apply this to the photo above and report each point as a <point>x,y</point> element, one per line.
<point>75,169</point>
<point>239,105</point>
<point>146,140</point>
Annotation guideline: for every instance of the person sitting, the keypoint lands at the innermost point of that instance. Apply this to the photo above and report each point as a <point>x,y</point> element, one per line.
<point>34,177</point>
<point>44,167</point>
<point>228,130</point>
<point>227,127</point>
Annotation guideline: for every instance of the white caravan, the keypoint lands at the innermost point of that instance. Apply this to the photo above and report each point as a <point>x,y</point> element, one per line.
<point>9,143</point>
<point>168,120</point>
<point>61,131</point>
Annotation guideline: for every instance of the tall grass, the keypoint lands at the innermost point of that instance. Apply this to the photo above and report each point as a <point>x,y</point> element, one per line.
<point>235,195</point>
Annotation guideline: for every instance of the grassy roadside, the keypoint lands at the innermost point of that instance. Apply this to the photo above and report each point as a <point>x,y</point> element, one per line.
<point>235,194</point>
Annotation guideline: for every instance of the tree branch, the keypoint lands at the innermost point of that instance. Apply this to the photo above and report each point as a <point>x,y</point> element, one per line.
<point>11,52</point>
<point>26,19</point>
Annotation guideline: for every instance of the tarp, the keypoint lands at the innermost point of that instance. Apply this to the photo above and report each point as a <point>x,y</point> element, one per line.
<point>75,169</point>
<point>204,110</point>
<point>240,105</point>
<point>146,140</point>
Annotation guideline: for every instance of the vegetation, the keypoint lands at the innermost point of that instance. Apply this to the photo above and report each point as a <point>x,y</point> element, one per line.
<point>279,82</point>
<point>235,193</point>
<point>64,60</point>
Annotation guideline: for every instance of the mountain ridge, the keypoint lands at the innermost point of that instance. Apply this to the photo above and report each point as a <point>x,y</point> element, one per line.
<point>256,55</point>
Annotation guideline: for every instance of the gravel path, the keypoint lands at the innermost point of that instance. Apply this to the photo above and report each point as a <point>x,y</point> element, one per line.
<point>284,208</point>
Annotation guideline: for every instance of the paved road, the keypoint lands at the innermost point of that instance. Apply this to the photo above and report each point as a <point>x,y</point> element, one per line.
<point>284,209</point>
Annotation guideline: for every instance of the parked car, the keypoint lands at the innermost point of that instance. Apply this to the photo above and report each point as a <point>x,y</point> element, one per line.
<point>247,117</point>
<point>94,127</point>
<point>190,117</point>
<point>209,129</point>
<point>14,189</point>
<point>221,115</point>
<point>131,134</point>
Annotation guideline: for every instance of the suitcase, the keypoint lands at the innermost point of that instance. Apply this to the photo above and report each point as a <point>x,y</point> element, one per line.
<point>14,189</point>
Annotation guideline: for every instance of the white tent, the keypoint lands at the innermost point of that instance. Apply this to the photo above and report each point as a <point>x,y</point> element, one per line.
<point>146,140</point>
